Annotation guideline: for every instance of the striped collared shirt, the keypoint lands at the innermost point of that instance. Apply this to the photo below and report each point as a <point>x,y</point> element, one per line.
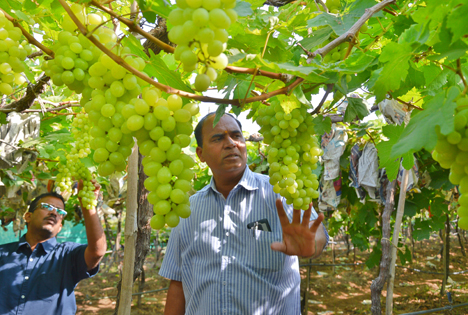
<point>226,268</point>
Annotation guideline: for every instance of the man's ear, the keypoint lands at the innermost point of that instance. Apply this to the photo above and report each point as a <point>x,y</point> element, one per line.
<point>27,216</point>
<point>200,154</point>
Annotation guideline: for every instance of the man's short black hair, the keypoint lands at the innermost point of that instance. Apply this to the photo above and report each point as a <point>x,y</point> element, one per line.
<point>199,127</point>
<point>35,201</point>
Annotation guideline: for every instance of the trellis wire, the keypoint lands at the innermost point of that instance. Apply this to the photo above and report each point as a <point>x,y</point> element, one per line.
<point>357,264</point>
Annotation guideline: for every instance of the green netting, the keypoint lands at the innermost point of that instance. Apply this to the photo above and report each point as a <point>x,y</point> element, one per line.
<point>69,233</point>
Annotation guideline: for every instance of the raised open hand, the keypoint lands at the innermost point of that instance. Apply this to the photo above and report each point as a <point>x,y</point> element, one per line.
<point>298,237</point>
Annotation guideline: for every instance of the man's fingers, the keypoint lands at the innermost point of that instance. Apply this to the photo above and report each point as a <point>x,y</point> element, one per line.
<point>281,214</point>
<point>279,247</point>
<point>316,223</point>
<point>306,216</point>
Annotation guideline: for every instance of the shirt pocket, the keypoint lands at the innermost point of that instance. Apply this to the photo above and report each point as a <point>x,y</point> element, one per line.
<point>47,286</point>
<point>259,256</point>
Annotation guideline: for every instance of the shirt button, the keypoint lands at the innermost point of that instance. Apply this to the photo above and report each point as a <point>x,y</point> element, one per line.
<point>27,278</point>
<point>22,296</point>
<point>227,233</point>
<point>225,311</point>
<point>30,259</point>
<point>224,282</point>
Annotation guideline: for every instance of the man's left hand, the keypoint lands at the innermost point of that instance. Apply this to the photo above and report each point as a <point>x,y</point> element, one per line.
<point>298,237</point>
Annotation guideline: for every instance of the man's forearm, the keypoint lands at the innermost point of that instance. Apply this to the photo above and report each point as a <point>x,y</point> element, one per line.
<point>97,245</point>
<point>175,300</point>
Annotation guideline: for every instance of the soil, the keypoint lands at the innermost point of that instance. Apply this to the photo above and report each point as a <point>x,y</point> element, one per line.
<point>333,290</point>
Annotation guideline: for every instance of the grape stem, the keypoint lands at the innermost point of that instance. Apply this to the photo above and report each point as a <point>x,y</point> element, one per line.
<point>409,104</point>
<point>53,110</point>
<point>351,33</point>
<point>324,98</point>
<point>28,36</point>
<point>460,73</point>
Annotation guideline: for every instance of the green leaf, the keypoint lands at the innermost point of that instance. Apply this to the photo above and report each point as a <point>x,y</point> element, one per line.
<point>299,94</point>
<point>244,8</point>
<point>307,73</point>
<point>455,21</point>
<point>3,119</point>
<point>157,68</point>
<point>317,38</point>
<point>339,24</point>
<point>410,208</point>
<point>420,131</point>
<point>384,148</point>
<point>396,57</point>
<point>356,107</point>
<point>152,8</point>
<point>288,102</point>
<point>322,124</point>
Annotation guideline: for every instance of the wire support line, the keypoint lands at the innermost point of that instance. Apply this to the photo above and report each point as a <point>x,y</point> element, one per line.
<point>114,297</point>
<point>358,264</point>
<point>448,307</point>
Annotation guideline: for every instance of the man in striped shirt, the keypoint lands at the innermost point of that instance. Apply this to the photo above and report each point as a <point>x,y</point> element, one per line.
<point>216,263</point>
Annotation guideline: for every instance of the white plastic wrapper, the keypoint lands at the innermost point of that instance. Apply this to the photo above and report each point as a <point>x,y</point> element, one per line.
<point>20,127</point>
<point>369,170</point>
<point>333,145</point>
<point>393,111</point>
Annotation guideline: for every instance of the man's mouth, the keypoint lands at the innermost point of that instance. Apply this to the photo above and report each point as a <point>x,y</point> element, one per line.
<point>51,219</point>
<point>231,156</point>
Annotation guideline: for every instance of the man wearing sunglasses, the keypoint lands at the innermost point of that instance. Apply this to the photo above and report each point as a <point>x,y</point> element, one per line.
<point>38,275</point>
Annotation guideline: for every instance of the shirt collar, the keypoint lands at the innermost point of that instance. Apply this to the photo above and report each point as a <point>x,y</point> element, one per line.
<point>46,245</point>
<point>247,181</point>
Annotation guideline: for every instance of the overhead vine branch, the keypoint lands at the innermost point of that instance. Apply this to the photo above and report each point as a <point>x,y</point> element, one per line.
<point>352,32</point>
<point>28,36</point>
<point>32,91</point>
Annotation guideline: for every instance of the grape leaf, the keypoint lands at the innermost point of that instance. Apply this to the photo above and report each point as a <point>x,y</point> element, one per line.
<point>317,38</point>
<point>153,8</point>
<point>420,131</point>
<point>303,72</point>
<point>395,70</point>
<point>3,120</point>
<point>356,107</point>
<point>244,8</point>
<point>454,21</point>
<point>157,68</point>
<point>322,124</point>
<point>288,102</point>
<point>384,149</point>
<point>339,24</point>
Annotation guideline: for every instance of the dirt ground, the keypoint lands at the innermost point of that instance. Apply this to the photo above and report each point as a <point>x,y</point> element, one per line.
<point>342,290</point>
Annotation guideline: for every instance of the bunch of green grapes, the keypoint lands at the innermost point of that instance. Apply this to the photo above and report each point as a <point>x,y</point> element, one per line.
<point>199,30</point>
<point>163,128</point>
<point>12,55</point>
<point>451,152</point>
<point>76,56</point>
<point>338,53</point>
<point>74,169</point>
<point>293,153</point>
<point>333,6</point>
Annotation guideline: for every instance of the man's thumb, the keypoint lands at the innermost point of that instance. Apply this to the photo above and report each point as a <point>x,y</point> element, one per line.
<point>279,247</point>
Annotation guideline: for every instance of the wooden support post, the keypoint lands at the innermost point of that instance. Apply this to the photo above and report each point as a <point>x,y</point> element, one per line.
<point>396,233</point>
<point>130,235</point>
